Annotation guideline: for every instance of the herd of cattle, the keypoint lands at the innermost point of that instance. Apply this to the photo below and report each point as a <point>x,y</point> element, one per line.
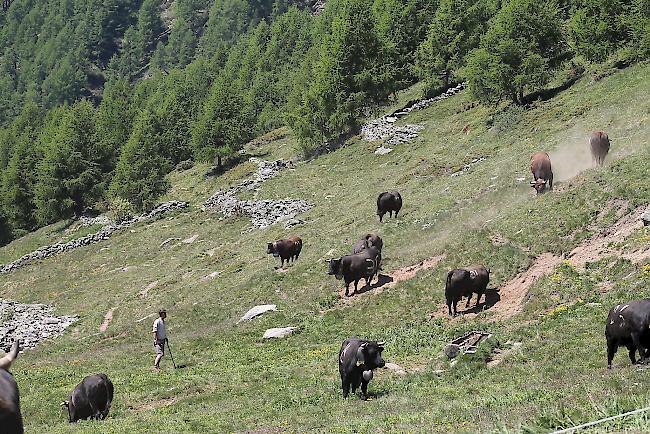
<point>627,325</point>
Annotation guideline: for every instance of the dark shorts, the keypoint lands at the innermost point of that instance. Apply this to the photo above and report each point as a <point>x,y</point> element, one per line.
<point>159,347</point>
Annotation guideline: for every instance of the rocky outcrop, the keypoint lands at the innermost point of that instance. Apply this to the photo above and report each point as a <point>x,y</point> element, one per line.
<point>384,128</point>
<point>31,323</point>
<point>103,234</point>
<point>262,213</point>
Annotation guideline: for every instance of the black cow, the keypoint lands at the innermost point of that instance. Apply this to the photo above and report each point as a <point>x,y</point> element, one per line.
<point>387,202</point>
<point>287,249</point>
<point>357,359</point>
<point>11,421</point>
<point>628,325</point>
<point>464,282</point>
<point>91,398</point>
<point>369,240</point>
<point>352,268</point>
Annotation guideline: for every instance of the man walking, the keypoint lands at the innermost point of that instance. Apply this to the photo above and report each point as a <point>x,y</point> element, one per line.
<point>159,338</point>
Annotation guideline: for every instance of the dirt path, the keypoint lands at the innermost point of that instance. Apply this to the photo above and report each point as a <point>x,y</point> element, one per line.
<point>107,320</point>
<point>513,293</point>
<point>389,280</point>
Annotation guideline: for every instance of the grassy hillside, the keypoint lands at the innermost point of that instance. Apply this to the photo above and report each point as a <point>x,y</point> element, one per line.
<point>236,382</point>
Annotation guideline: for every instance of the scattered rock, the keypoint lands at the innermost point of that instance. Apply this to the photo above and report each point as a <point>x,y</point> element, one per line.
<point>469,165</point>
<point>467,344</point>
<point>257,311</point>
<point>103,220</point>
<point>280,332</point>
<point>31,323</point>
<point>383,151</point>
<point>396,368</point>
<point>212,275</point>
<point>645,218</point>
<point>167,241</point>
<point>293,222</point>
<point>191,239</point>
<point>103,234</point>
<point>148,288</point>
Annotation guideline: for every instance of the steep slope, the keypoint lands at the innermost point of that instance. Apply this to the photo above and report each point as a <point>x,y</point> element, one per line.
<point>486,214</point>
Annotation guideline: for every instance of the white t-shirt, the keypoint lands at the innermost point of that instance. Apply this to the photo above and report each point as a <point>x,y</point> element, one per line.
<point>159,329</point>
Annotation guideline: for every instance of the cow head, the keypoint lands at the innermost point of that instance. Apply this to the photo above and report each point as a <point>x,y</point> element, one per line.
<point>374,240</point>
<point>271,248</point>
<point>335,268</point>
<point>369,355</point>
<point>70,408</point>
<point>539,185</point>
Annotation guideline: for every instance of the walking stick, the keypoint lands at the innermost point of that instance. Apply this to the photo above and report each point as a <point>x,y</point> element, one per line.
<point>170,353</point>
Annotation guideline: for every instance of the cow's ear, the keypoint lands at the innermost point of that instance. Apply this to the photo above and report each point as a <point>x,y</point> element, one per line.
<point>361,359</point>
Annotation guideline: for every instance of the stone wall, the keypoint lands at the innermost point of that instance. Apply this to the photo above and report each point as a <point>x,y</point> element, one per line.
<point>262,213</point>
<point>103,234</point>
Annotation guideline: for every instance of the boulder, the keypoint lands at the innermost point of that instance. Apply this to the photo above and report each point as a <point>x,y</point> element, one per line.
<point>257,311</point>
<point>280,332</point>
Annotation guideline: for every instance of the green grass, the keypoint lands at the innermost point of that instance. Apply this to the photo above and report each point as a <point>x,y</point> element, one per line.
<point>236,382</point>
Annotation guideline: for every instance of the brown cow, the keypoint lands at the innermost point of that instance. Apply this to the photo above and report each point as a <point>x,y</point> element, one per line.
<point>287,249</point>
<point>599,144</point>
<point>540,167</point>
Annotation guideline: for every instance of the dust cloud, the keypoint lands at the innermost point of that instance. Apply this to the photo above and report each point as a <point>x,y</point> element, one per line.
<point>572,155</point>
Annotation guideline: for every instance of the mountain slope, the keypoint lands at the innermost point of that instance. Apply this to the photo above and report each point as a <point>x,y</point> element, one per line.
<point>236,382</point>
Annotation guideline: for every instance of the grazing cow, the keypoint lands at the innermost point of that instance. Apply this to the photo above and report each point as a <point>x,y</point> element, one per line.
<point>540,167</point>
<point>387,202</point>
<point>464,282</point>
<point>628,325</point>
<point>11,421</point>
<point>357,359</point>
<point>352,268</point>
<point>367,241</point>
<point>91,398</point>
<point>287,249</point>
<point>599,144</point>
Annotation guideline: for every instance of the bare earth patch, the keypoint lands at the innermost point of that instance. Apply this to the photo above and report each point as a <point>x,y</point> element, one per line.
<point>107,320</point>
<point>165,402</point>
<point>389,280</point>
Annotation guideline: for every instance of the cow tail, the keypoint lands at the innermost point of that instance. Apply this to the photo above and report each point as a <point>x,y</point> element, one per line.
<point>448,280</point>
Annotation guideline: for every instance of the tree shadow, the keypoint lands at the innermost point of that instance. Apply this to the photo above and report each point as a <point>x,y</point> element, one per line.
<point>490,298</point>
<point>546,94</point>
<point>227,165</point>
<point>382,280</point>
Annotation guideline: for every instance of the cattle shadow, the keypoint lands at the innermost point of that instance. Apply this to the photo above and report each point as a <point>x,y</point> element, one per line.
<point>382,280</point>
<point>490,298</point>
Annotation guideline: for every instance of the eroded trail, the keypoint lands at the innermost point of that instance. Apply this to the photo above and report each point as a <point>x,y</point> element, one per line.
<point>389,280</point>
<point>601,245</point>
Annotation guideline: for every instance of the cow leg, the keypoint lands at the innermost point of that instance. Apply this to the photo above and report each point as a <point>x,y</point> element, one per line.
<point>345,384</point>
<point>611,351</point>
<point>631,351</point>
<point>364,390</point>
<point>636,343</point>
<point>347,289</point>
<point>455,307</point>
<point>550,182</point>
<point>469,298</point>
<point>381,217</point>
<point>396,212</point>
<point>449,307</point>
<point>355,384</point>
<point>479,295</point>
<point>356,285</point>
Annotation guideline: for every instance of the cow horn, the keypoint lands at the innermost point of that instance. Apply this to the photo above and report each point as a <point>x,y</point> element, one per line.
<point>5,362</point>
<point>381,343</point>
<point>65,404</point>
<point>532,182</point>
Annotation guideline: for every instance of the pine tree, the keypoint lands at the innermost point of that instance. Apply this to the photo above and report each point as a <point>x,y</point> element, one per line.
<point>141,169</point>
<point>222,127</point>
<point>68,174</point>
<point>517,53</point>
